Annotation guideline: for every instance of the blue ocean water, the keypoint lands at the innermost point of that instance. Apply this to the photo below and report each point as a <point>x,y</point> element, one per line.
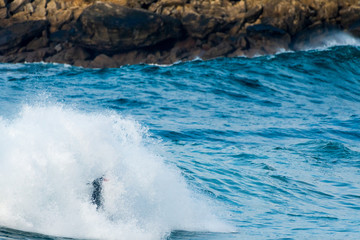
<point>230,148</point>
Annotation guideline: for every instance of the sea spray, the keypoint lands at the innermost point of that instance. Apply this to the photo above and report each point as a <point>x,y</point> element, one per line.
<point>49,154</point>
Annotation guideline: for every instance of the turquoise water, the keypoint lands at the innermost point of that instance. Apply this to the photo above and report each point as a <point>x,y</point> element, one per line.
<point>231,148</point>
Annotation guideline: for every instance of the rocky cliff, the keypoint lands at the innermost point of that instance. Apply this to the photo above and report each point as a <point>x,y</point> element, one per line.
<point>110,33</point>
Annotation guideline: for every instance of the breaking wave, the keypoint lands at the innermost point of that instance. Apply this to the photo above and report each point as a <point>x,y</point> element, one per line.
<point>49,154</point>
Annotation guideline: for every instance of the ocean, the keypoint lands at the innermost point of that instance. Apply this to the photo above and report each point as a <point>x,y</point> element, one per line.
<point>232,148</point>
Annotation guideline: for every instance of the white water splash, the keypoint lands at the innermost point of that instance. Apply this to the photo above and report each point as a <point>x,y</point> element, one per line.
<point>49,154</point>
<point>332,40</point>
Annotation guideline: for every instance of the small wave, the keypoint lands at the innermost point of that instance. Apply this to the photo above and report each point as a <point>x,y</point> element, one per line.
<point>331,151</point>
<point>334,39</point>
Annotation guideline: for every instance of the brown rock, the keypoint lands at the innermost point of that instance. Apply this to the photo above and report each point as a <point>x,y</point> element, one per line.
<point>200,26</point>
<point>17,34</point>
<point>3,3</point>
<point>267,39</point>
<point>37,56</point>
<point>52,6</point>
<point>82,63</point>
<point>21,16</point>
<point>14,5</point>
<point>350,16</point>
<point>237,27</point>
<point>28,8</point>
<point>328,10</point>
<point>68,55</point>
<point>315,36</point>
<point>253,14</point>
<point>39,6</point>
<point>222,49</point>
<point>290,16</point>
<point>3,13</point>
<point>37,43</point>
<point>241,42</point>
<point>109,27</point>
<point>103,61</point>
<point>80,53</point>
<point>58,18</point>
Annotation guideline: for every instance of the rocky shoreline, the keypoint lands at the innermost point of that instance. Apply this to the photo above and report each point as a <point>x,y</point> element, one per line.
<point>110,33</point>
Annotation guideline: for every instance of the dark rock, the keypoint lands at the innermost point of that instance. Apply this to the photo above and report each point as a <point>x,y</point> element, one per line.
<point>37,43</point>
<point>253,14</point>
<point>38,55</point>
<point>3,13</point>
<point>59,18</point>
<point>110,27</point>
<point>264,30</point>
<point>200,26</point>
<point>61,35</point>
<point>68,55</point>
<point>290,16</point>
<point>314,36</point>
<point>82,63</point>
<point>267,39</point>
<point>220,50</point>
<point>14,5</point>
<point>350,16</point>
<point>18,34</point>
<point>240,42</point>
<point>103,61</point>
<point>354,29</point>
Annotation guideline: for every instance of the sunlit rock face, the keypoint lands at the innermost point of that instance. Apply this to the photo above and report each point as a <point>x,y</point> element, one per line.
<point>115,32</point>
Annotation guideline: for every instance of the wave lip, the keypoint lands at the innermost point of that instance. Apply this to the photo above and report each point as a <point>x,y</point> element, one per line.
<point>49,154</point>
<point>327,40</point>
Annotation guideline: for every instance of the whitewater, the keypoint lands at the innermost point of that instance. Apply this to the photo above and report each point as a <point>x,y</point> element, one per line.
<point>230,148</point>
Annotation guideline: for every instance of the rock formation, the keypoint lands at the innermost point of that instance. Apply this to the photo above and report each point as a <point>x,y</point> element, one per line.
<point>110,33</point>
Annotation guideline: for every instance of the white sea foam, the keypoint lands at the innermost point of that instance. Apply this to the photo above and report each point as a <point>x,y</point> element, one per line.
<point>332,40</point>
<point>49,154</point>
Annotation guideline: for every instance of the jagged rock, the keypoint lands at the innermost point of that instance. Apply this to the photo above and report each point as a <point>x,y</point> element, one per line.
<point>350,16</point>
<point>52,6</point>
<point>37,43</point>
<point>253,14</point>
<point>199,26</point>
<point>240,42</point>
<point>38,55</point>
<point>103,61</point>
<point>328,10</point>
<point>165,31</point>
<point>58,18</point>
<point>109,27</point>
<point>28,8</point>
<point>290,16</point>
<point>14,5</point>
<point>3,13</point>
<point>315,36</point>
<point>267,39</point>
<point>3,3</point>
<point>40,10</point>
<point>21,16</point>
<point>18,34</point>
<point>217,51</point>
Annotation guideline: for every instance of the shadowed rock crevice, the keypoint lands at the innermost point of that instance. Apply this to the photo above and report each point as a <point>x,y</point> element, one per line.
<point>110,33</point>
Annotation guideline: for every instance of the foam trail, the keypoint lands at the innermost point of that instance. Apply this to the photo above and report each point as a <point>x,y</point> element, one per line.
<point>48,154</point>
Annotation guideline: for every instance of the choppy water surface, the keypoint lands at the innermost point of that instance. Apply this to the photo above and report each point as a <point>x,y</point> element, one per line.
<point>260,148</point>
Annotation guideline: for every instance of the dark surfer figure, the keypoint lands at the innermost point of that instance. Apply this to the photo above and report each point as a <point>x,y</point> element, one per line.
<point>96,197</point>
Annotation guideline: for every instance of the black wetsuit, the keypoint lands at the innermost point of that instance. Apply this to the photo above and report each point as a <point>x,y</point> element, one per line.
<point>96,197</point>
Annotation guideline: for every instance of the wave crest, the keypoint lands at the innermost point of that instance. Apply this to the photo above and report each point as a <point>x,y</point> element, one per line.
<point>49,154</point>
